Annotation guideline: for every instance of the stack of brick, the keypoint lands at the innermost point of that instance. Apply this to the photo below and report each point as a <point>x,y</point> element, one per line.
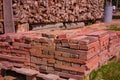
<point>113,44</point>
<point>42,55</point>
<point>76,56</point>
<point>103,38</point>
<point>14,50</point>
<point>51,11</point>
<point>67,53</point>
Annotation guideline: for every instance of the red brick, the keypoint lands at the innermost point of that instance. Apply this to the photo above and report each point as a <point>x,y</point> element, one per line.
<point>77,39</point>
<point>6,64</point>
<point>62,36</point>
<point>88,40</point>
<point>19,52</point>
<point>22,45</point>
<point>20,65</point>
<point>65,55</point>
<point>12,58</point>
<point>66,75</point>
<point>92,63</point>
<point>99,34</point>
<point>80,69</point>
<point>74,46</point>
<point>82,54</point>
<point>104,56</point>
<point>4,44</point>
<point>89,46</point>
<point>71,60</point>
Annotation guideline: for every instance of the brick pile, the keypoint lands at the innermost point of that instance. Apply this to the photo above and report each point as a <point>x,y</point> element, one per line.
<point>50,11</point>
<point>67,53</point>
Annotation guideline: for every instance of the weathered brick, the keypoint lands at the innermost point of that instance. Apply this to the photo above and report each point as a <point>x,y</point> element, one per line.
<point>69,60</point>
<point>66,55</point>
<point>76,39</point>
<point>80,69</point>
<point>74,46</point>
<point>4,44</point>
<point>82,54</point>
<point>68,76</point>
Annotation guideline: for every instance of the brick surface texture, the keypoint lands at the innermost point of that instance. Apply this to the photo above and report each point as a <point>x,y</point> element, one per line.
<point>67,53</point>
<point>47,11</point>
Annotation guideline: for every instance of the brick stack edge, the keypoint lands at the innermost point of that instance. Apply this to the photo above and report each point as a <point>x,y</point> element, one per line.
<point>68,53</point>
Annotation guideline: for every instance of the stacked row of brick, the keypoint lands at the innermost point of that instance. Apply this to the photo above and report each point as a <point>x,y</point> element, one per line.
<point>67,53</point>
<point>14,52</point>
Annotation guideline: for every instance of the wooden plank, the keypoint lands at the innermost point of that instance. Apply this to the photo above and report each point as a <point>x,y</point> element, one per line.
<point>8,16</point>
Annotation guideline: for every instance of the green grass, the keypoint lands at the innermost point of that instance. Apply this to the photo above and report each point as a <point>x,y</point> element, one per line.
<point>111,71</point>
<point>113,27</point>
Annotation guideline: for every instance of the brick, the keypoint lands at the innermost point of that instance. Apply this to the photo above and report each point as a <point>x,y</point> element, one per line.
<point>44,40</point>
<point>73,73</point>
<point>76,65</point>
<point>98,34</point>
<point>88,40</point>
<point>10,38</point>
<point>82,54</point>
<point>12,58</point>
<point>68,76</point>
<point>66,63</point>
<point>4,44</point>
<point>70,60</point>
<point>74,46</point>
<point>49,48</point>
<point>52,61</point>
<point>48,35</point>
<point>6,64</point>
<point>45,52</point>
<point>112,35</point>
<point>77,39</point>
<point>19,52</point>
<point>5,50</point>
<point>62,36</point>
<point>35,52</point>
<point>66,55</point>
<point>22,45</point>
<point>103,57</point>
<point>57,40</point>
<point>92,63</point>
<point>75,56</point>
<point>89,46</point>
<point>80,69</point>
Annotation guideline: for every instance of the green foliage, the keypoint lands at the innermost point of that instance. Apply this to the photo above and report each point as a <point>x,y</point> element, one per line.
<point>111,71</point>
<point>89,23</point>
<point>113,27</point>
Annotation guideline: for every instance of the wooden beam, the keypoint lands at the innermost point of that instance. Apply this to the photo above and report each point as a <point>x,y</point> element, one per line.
<point>8,16</point>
